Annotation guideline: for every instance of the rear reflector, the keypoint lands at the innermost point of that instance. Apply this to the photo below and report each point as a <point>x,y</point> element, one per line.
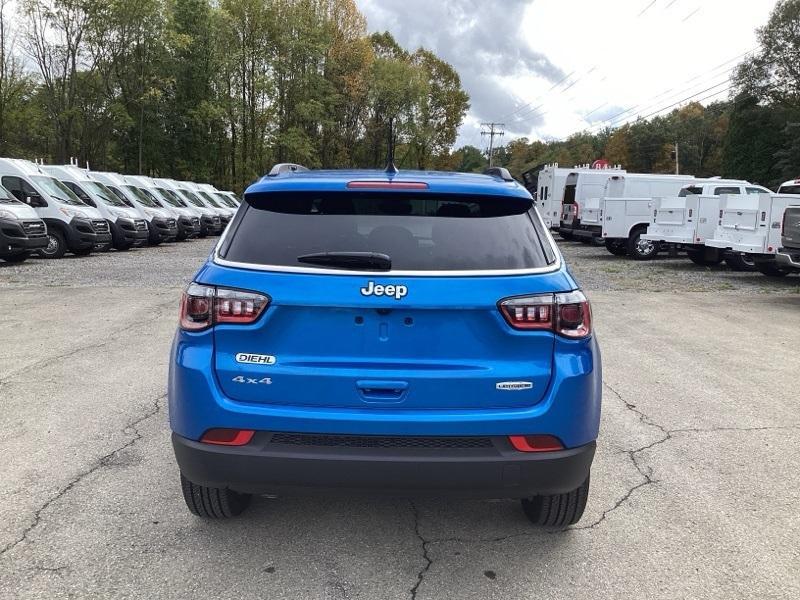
<point>535,443</point>
<point>387,185</point>
<point>228,437</point>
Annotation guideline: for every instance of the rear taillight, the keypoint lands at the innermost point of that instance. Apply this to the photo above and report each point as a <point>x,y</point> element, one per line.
<point>203,306</point>
<point>567,314</point>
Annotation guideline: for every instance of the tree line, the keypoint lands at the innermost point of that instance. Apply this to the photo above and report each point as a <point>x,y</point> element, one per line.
<point>217,90</point>
<point>754,135</point>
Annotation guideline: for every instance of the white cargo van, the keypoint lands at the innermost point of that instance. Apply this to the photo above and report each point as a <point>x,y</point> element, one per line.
<point>547,183</point>
<point>72,226</point>
<point>162,226</point>
<point>752,224</point>
<point>580,185</point>
<point>128,227</point>
<point>22,232</point>
<point>188,218</point>
<point>621,214</point>
<point>225,212</point>
<point>223,199</point>
<point>218,218</point>
<point>688,219</point>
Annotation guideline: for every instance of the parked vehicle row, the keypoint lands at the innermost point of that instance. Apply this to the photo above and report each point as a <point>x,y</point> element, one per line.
<point>51,210</point>
<point>638,215</point>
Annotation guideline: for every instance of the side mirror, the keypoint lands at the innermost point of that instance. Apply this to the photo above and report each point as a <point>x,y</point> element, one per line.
<point>35,201</point>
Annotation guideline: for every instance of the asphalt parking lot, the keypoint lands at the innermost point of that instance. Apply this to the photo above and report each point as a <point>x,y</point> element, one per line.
<point>695,488</point>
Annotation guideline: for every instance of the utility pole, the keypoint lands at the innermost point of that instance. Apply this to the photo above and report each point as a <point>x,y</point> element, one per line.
<point>677,160</point>
<point>492,130</point>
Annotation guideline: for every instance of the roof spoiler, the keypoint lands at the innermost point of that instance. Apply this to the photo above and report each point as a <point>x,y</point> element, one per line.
<point>281,168</point>
<point>500,172</point>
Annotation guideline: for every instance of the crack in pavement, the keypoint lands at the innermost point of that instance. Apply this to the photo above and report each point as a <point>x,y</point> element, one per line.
<point>114,336</point>
<point>633,455</point>
<point>102,462</point>
<point>428,562</point>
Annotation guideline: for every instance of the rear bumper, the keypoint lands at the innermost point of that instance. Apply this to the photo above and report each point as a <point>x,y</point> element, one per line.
<point>670,239</point>
<point>495,471</point>
<point>788,257</point>
<point>743,247</point>
<point>588,232</point>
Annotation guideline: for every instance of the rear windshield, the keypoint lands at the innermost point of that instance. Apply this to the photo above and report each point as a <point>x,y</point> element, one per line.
<point>789,189</point>
<point>417,232</point>
<point>691,190</point>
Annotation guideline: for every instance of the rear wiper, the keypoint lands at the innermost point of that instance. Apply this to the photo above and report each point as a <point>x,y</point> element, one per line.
<point>371,261</point>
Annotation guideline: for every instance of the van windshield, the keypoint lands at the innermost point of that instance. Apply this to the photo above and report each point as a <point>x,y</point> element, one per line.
<point>442,232</point>
<point>6,197</point>
<point>193,199</point>
<point>209,199</point>
<point>168,197</point>
<point>105,195</point>
<point>141,198</point>
<point>57,190</point>
<point>226,201</point>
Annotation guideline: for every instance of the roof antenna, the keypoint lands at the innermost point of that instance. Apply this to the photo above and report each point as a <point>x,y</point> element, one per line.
<point>390,169</point>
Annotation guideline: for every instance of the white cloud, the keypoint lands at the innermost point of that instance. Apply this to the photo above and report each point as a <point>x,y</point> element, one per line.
<point>637,53</point>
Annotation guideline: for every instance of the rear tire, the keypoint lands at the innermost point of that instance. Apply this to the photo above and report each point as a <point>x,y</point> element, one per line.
<point>706,257</point>
<point>617,248</point>
<point>639,249</point>
<point>567,236</point>
<point>740,262</point>
<point>84,251</point>
<point>17,258</point>
<point>557,510</point>
<point>770,270</point>
<point>213,503</point>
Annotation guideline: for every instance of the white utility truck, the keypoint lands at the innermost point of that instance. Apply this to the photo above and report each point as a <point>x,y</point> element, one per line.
<point>621,213</point>
<point>546,184</point>
<point>72,226</point>
<point>688,219</point>
<point>752,224</point>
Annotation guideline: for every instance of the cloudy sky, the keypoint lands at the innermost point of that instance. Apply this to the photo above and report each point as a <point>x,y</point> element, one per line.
<point>548,68</point>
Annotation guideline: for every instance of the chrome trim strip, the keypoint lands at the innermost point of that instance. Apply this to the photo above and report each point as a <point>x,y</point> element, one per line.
<point>312,271</point>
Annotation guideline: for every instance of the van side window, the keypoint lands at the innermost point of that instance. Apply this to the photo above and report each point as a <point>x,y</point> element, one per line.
<point>758,190</point>
<point>20,188</point>
<point>727,190</point>
<point>80,193</point>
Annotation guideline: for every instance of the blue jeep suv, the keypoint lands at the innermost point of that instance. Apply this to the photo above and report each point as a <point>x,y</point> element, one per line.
<point>411,333</point>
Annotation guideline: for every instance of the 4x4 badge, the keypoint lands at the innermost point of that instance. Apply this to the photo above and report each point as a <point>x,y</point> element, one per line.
<point>398,292</point>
